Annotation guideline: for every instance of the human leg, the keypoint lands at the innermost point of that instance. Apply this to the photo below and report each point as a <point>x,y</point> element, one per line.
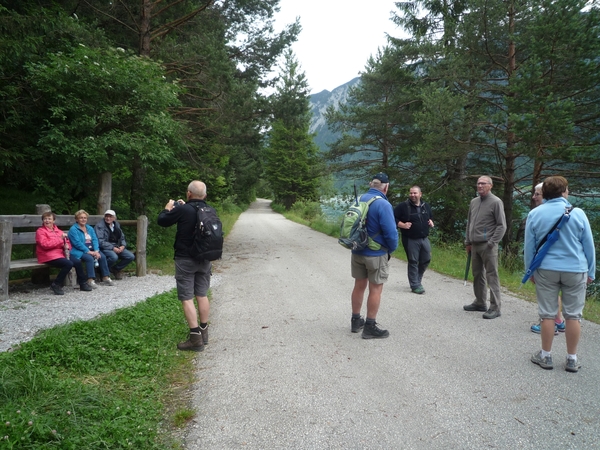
<point>479,275</point>
<point>378,270</point>
<point>111,257</point>
<point>424,257</point>
<point>574,286</point>
<point>411,248</point>
<point>493,280</point>
<point>65,265</point>
<point>88,260</point>
<point>358,294</point>
<point>125,257</point>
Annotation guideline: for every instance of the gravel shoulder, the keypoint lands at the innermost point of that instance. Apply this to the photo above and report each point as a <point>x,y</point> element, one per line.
<point>31,308</point>
<point>283,369</point>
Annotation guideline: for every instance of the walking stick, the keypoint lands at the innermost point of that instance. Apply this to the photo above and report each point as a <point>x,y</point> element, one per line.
<point>467,268</point>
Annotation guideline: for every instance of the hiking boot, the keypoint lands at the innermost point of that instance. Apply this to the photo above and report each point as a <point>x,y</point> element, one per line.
<point>108,282</point>
<point>538,328</point>
<point>374,332</point>
<point>572,365</point>
<point>58,290</point>
<point>92,284</point>
<point>356,324</point>
<point>418,290</point>
<point>193,344</point>
<point>204,333</point>
<point>475,307</point>
<point>559,327</point>
<point>85,287</point>
<point>544,363</point>
<point>491,314</point>
<point>118,274</point>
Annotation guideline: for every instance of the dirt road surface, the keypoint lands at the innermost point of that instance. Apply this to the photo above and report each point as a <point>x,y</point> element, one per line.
<point>283,370</point>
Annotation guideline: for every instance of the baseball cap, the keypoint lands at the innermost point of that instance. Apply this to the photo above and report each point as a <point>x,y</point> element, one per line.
<point>381,177</point>
<point>111,212</point>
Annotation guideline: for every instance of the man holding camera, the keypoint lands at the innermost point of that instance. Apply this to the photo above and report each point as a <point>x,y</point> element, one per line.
<point>192,277</point>
<point>112,244</point>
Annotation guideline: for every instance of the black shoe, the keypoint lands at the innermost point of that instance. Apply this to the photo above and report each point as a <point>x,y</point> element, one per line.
<point>357,324</point>
<point>374,332</point>
<point>491,314</point>
<point>475,307</point>
<point>85,287</point>
<point>58,290</point>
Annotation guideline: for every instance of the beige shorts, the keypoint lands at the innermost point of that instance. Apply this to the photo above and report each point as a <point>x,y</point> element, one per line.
<point>375,268</point>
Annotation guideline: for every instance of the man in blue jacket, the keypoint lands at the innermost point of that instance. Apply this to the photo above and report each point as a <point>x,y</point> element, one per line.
<point>369,266</point>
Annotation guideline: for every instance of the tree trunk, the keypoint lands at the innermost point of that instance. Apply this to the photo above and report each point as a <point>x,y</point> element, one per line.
<point>105,194</point>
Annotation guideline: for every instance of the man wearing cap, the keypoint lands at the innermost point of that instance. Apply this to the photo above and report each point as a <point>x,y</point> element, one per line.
<point>369,267</point>
<point>414,219</point>
<point>112,244</point>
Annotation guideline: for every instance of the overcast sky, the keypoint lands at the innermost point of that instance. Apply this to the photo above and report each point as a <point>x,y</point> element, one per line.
<point>337,37</point>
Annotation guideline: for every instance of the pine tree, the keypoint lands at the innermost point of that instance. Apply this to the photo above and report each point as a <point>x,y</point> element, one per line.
<point>292,162</point>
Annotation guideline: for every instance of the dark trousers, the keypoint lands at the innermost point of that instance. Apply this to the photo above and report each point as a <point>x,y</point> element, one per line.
<point>65,267</point>
<point>418,254</point>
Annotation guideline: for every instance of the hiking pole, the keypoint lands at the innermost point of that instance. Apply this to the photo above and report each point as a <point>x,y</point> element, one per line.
<point>467,268</point>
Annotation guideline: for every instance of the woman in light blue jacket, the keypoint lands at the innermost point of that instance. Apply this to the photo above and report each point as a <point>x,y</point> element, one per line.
<point>85,248</point>
<point>569,265</point>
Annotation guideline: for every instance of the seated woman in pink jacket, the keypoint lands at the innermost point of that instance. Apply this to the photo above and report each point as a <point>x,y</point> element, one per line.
<point>50,244</point>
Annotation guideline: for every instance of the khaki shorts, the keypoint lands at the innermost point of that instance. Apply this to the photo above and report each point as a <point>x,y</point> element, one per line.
<point>548,285</point>
<point>375,268</point>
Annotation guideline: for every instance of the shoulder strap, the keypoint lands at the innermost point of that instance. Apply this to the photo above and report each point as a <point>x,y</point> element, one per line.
<point>558,224</point>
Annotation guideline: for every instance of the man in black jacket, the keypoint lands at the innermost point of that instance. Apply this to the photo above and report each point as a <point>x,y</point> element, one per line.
<point>414,218</point>
<point>193,278</point>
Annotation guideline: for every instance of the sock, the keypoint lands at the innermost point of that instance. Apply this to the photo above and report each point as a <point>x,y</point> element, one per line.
<point>195,330</point>
<point>558,321</point>
<point>204,325</point>
<point>545,353</point>
<point>370,321</point>
<point>356,316</point>
<point>573,357</point>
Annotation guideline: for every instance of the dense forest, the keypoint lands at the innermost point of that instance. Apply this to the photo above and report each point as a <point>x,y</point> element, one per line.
<point>130,99</point>
<point>507,88</point>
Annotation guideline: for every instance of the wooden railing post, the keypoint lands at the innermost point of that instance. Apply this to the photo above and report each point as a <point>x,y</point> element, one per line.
<point>6,229</point>
<point>142,235</point>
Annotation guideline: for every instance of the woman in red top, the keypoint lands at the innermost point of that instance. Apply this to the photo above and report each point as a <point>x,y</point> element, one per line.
<point>50,249</point>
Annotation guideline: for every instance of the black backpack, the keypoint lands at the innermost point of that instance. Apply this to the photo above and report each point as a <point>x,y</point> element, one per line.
<point>208,235</point>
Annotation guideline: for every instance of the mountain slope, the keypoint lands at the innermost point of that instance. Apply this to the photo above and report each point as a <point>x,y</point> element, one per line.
<point>319,104</point>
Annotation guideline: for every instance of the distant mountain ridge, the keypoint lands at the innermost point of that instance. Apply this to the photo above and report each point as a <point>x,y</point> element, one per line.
<point>319,104</point>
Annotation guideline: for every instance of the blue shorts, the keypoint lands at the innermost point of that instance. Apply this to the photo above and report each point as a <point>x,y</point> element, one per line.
<point>193,278</point>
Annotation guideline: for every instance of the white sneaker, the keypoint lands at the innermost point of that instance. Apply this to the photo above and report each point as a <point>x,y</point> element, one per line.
<point>92,284</point>
<point>108,282</point>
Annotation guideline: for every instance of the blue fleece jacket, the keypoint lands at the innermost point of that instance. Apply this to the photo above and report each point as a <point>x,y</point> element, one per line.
<point>573,251</point>
<point>77,238</point>
<point>381,225</point>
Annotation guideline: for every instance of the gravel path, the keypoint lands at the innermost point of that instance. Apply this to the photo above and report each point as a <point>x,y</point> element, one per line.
<point>32,308</point>
<point>283,370</point>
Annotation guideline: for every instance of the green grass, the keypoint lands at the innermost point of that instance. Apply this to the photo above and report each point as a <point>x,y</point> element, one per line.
<point>115,382</point>
<point>96,384</point>
<point>446,259</point>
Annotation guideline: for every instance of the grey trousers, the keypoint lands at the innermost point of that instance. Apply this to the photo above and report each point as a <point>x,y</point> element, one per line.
<point>418,254</point>
<point>484,261</point>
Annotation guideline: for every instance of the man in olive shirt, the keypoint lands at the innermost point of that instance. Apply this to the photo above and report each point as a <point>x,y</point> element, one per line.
<point>486,225</point>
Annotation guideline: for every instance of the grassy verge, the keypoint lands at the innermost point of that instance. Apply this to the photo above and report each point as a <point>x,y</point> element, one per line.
<point>112,383</point>
<point>449,260</point>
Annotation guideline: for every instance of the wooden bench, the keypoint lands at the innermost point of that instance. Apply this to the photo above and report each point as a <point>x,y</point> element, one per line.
<point>10,236</point>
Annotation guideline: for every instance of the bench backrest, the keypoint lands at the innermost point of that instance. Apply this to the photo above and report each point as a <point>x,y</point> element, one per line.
<point>35,221</point>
